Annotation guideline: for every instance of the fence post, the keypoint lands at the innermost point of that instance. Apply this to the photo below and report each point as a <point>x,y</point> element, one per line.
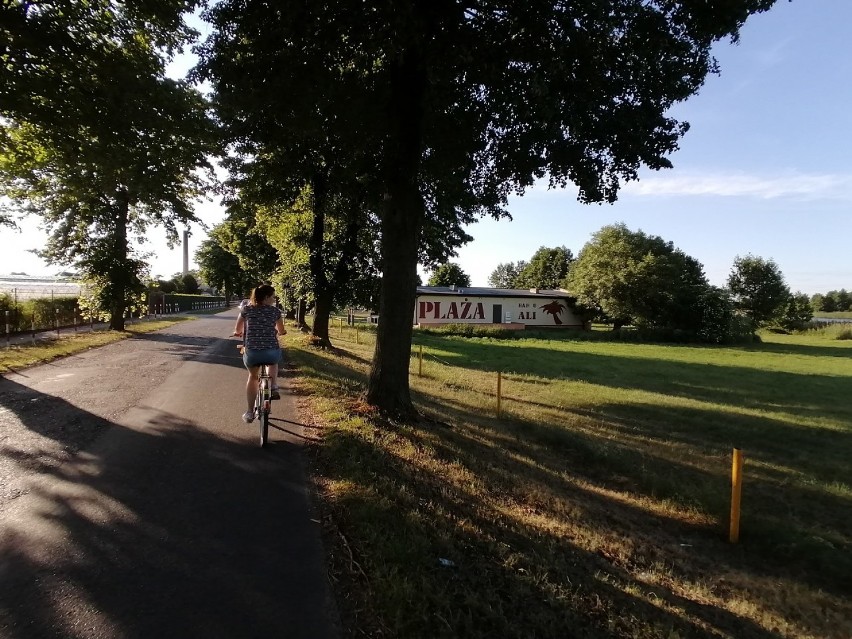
<point>499,384</point>
<point>7,329</point>
<point>736,494</point>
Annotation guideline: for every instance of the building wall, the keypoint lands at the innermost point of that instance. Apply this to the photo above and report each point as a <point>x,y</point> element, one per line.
<point>471,309</point>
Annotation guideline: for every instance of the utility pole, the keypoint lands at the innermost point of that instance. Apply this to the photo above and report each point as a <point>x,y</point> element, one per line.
<point>186,252</point>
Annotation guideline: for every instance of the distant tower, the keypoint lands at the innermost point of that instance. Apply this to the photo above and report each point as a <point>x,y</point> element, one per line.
<point>186,252</point>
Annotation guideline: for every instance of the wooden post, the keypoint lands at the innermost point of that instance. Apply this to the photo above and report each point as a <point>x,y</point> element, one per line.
<point>499,390</point>
<point>420,373</point>
<point>736,493</point>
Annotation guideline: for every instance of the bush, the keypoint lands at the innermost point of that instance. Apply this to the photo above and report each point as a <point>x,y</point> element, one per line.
<point>720,323</point>
<point>41,311</point>
<point>472,330</point>
<point>829,330</point>
<point>44,310</point>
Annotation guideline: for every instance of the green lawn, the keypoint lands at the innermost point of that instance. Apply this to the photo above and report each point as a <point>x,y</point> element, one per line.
<point>597,504</point>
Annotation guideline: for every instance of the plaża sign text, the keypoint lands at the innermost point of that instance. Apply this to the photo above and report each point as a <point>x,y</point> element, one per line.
<point>452,310</point>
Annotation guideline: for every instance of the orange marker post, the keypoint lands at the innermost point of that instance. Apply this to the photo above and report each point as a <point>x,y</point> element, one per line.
<point>736,494</point>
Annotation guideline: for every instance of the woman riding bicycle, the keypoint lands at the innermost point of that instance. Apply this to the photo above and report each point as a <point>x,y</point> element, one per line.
<point>261,322</point>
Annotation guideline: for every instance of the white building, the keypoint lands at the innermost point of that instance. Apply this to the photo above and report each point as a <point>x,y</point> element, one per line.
<point>507,307</point>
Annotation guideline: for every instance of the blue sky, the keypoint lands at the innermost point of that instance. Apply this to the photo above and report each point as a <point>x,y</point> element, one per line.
<point>766,169</point>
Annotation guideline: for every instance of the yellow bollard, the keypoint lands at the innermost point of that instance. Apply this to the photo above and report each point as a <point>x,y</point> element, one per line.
<point>499,384</point>
<point>420,372</point>
<point>736,493</point>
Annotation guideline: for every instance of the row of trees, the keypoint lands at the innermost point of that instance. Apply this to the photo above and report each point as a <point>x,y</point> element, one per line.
<point>629,277</point>
<point>352,133</point>
<point>94,138</point>
<point>188,284</point>
<point>546,269</point>
<point>832,301</point>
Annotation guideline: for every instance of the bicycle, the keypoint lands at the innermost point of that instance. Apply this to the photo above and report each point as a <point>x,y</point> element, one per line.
<point>263,400</point>
<point>263,403</point>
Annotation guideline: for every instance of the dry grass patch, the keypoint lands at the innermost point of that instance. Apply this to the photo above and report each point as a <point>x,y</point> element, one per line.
<point>596,506</point>
<point>20,356</point>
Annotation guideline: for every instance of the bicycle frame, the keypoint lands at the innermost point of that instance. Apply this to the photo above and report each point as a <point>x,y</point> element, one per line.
<point>263,400</point>
<point>263,403</point>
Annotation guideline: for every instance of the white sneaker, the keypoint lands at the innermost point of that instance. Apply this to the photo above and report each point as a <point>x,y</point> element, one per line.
<point>248,417</point>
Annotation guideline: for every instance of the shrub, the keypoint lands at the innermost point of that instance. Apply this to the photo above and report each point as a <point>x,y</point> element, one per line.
<point>833,330</point>
<point>472,330</point>
<point>42,311</point>
<point>720,323</point>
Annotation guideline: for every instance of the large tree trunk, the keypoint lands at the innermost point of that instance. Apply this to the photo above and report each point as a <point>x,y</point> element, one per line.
<point>401,220</point>
<point>118,271</point>
<point>301,311</point>
<point>322,310</point>
<point>323,289</point>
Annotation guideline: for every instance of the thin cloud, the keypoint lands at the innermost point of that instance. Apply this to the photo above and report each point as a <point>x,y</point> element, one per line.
<point>829,186</point>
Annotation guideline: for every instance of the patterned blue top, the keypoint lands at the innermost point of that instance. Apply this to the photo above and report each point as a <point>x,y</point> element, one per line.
<point>260,327</point>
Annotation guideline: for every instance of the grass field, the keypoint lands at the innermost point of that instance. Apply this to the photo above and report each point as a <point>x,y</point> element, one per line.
<point>835,314</point>
<point>597,504</point>
<point>15,357</point>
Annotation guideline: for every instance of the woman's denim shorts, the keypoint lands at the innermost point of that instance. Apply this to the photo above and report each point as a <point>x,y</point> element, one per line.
<point>252,357</point>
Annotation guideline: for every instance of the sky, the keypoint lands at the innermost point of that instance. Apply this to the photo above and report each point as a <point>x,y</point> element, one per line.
<point>766,169</point>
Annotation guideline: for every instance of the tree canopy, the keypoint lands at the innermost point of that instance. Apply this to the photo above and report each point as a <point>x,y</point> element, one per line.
<point>449,274</point>
<point>797,312</point>
<point>758,288</point>
<point>505,274</point>
<point>220,269</point>
<point>459,105</point>
<point>546,269</point>
<point>93,137</point>
<point>631,277</point>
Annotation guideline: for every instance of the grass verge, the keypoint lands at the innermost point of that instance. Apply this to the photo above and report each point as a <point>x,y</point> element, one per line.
<point>597,504</point>
<point>18,356</point>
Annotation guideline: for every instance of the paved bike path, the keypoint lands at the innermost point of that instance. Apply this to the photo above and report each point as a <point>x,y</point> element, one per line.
<point>173,522</point>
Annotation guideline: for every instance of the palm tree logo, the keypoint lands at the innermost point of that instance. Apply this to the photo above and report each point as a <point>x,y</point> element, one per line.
<point>554,308</point>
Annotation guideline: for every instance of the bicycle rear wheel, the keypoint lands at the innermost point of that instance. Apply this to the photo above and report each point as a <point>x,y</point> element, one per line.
<point>264,427</point>
<point>265,406</point>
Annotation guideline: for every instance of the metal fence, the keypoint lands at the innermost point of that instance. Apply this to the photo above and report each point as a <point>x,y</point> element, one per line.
<point>52,290</point>
<point>51,304</point>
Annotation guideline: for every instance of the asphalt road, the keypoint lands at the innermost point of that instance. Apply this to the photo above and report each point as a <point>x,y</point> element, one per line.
<point>134,502</point>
